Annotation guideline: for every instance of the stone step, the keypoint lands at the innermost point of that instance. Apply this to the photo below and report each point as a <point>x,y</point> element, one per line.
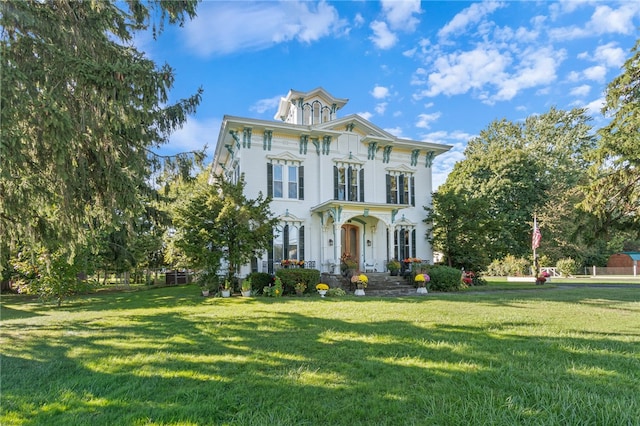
<point>384,284</point>
<point>380,284</point>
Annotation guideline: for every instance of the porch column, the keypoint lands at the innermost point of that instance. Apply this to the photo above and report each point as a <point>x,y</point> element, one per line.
<point>390,239</point>
<point>337,245</point>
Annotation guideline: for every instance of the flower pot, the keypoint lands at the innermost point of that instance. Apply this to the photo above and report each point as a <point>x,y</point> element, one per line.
<point>246,293</point>
<point>226,293</point>
<point>322,292</point>
<point>205,293</point>
<point>359,292</point>
<point>422,290</point>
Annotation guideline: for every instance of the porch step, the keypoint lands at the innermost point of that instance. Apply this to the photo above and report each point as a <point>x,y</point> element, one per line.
<point>383,284</point>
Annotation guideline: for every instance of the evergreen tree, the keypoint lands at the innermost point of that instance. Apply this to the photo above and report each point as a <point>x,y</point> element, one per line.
<point>613,194</point>
<point>82,111</point>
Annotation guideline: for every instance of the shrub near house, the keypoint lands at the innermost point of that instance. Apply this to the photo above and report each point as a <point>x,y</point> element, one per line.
<point>445,278</point>
<point>291,277</point>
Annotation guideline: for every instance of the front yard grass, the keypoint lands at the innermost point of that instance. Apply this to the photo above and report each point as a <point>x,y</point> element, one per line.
<point>168,356</point>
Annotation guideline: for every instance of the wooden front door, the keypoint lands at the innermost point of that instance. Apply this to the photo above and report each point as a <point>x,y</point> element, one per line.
<point>350,239</point>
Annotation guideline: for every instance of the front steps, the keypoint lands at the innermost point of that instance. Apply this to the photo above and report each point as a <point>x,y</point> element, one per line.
<point>380,284</point>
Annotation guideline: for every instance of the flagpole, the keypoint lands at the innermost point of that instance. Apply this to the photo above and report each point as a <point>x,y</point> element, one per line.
<point>534,245</point>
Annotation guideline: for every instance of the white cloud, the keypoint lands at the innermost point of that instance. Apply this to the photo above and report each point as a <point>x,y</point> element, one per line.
<point>381,108</point>
<point>194,135</point>
<point>365,115</point>
<point>536,68</point>
<point>425,120</point>
<point>607,20</point>
<point>395,131</point>
<point>460,72</point>
<point>410,53</point>
<point>604,20</point>
<point>380,92</point>
<point>225,27</point>
<point>486,68</point>
<point>382,37</point>
<point>594,108</point>
<point>610,55</point>
<point>596,73</point>
<point>263,105</point>
<point>580,91</point>
<point>399,14</point>
<point>471,15</point>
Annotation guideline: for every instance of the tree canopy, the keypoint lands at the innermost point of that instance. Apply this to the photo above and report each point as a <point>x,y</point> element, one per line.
<point>216,225</point>
<point>613,194</point>
<point>510,171</point>
<point>82,111</point>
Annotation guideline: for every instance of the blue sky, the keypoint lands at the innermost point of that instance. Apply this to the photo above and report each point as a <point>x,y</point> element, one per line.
<point>433,71</point>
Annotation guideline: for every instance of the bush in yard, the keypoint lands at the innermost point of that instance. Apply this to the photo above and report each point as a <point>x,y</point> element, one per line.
<point>336,292</point>
<point>567,266</point>
<point>445,278</point>
<point>50,275</point>
<point>290,277</point>
<point>259,280</point>
<point>509,265</point>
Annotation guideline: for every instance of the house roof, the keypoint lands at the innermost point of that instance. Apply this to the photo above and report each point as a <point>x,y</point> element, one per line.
<point>632,254</point>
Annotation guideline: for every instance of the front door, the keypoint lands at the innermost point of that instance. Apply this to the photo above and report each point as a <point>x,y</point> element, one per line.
<point>350,246</point>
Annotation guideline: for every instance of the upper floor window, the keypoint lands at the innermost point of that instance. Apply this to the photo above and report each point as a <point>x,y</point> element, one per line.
<point>284,181</point>
<point>400,189</point>
<point>348,183</point>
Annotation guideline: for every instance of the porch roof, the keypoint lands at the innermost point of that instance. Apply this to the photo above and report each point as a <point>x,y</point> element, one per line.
<point>358,207</point>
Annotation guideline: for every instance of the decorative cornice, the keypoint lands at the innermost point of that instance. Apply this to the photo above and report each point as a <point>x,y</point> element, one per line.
<point>350,160</point>
<point>266,141</point>
<point>415,153</point>
<point>429,158</point>
<point>372,150</point>
<point>285,158</point>
<point>386,153</point>
<point>304,141</point>
<point>400,170</point>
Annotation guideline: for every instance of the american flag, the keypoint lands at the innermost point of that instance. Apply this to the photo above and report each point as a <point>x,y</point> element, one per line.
<point>537,236</point>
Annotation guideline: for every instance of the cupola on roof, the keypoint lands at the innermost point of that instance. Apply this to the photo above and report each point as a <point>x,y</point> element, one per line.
<point>309,108</point>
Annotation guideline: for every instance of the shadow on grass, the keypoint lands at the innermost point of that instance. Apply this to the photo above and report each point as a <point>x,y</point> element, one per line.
<point>210,362</point>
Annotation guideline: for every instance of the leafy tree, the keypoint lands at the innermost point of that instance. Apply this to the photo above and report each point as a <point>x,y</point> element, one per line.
<point>459,228</point>
<point>613,194</point>
<point>49,275</point>
<point>81,110</point>
<point>217,223</point>
<point>516,169</point>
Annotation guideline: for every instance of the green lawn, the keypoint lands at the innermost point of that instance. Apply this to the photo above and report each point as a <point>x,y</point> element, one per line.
<point>167,356</point>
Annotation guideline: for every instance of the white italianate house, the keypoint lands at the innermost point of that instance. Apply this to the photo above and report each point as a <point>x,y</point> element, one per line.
<point>340,186</point>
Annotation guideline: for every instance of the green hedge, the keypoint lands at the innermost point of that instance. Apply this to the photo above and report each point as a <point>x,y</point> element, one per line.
<point>290,277</point>
<point>444,278</point>
<point>259,280</point>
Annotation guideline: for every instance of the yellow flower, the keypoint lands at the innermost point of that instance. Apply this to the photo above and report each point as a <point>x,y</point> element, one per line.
<point>322,286</point>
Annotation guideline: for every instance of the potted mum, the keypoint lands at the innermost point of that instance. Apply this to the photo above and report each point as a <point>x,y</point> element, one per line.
<point>322,289</point>
<point>421,281</point>
<point>361,281</point>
